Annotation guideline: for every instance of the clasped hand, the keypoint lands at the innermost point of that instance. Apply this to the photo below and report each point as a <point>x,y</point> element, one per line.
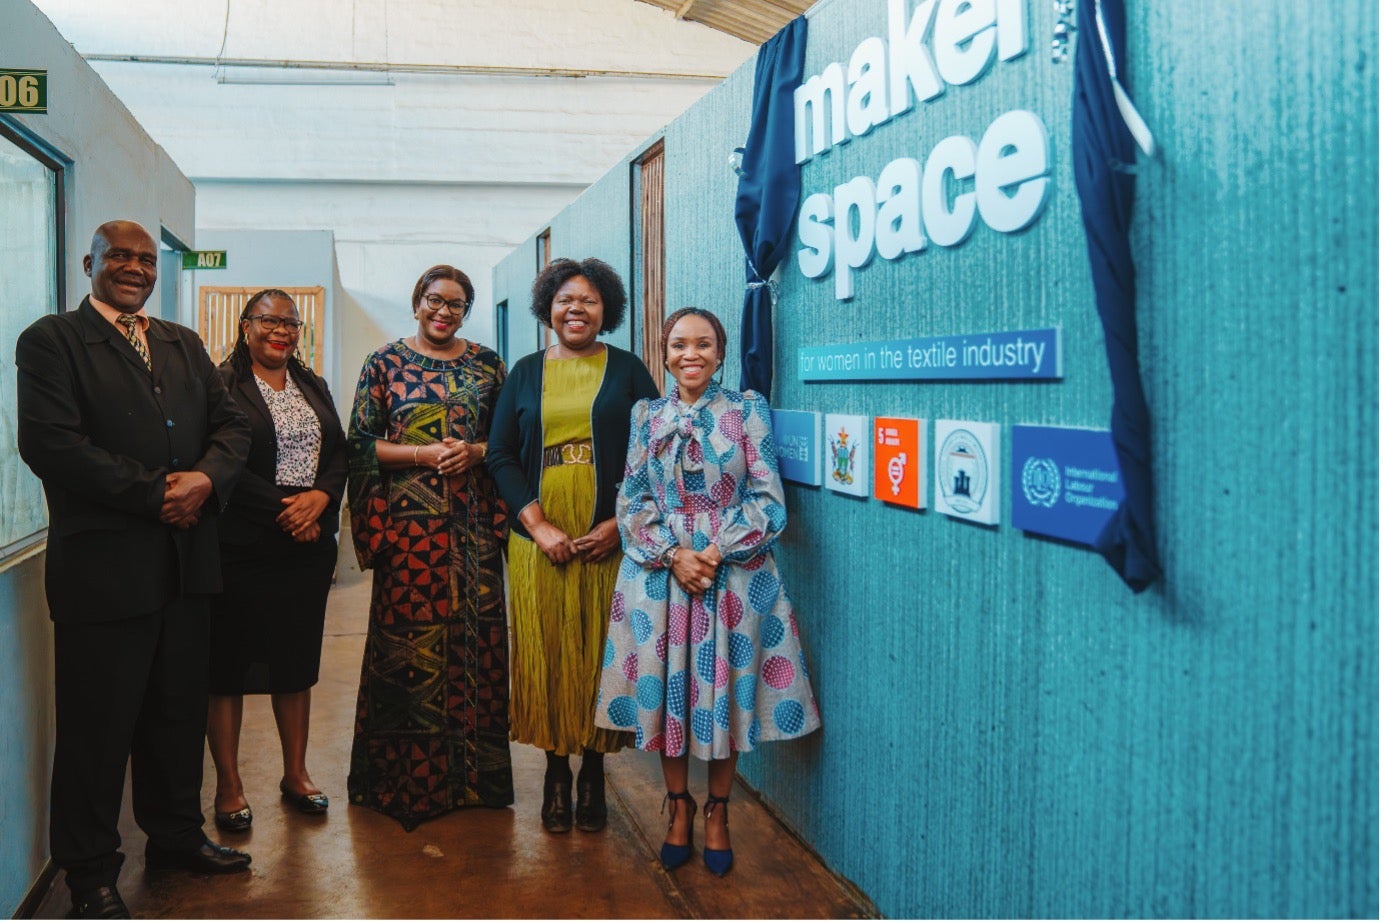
<point>695,571</point>
<point>451,457</point>
<point>184,492</point>
<point>592,547</point>
<point>300,515</point>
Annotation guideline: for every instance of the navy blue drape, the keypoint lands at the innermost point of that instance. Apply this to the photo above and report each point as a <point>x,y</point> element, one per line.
<point>767,197</point>
<point>1102,155</point>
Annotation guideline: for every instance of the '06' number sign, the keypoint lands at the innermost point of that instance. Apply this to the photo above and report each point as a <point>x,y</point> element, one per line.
<point>23,90</point>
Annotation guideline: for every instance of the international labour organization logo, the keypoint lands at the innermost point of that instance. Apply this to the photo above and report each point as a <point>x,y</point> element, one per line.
<point>963,472</point>
<point>1042,482</point>
<point>842,457</point>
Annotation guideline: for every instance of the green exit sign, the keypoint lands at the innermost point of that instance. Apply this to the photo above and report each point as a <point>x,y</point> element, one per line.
<point>204,259</point>
<point>23,90</point>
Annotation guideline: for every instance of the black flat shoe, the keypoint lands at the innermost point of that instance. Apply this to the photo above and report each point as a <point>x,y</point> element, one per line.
<point>209,858</point>
<point>591,803</point>
<point>557,805</point>
<point>304,803</point>
<point>98,903</point>
<point>235,821</point>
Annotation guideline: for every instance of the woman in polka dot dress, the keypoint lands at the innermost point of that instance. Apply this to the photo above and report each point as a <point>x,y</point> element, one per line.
<point>703,655</point>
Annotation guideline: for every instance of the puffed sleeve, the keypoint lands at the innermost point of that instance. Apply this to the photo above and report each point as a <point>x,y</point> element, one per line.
<point>642,530</point>
<point>752,527</point>
<point>365,488</point>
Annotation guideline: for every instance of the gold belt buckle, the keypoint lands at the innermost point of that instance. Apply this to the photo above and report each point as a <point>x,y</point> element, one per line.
<point>576,453</point>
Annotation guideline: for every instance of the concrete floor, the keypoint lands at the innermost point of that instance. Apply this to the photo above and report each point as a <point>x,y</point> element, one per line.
<point>476,863</point>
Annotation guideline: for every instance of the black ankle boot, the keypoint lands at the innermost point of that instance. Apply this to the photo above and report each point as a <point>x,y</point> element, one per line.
<point>591,802</point>
<point>557,806</point>
<point>557,795</point>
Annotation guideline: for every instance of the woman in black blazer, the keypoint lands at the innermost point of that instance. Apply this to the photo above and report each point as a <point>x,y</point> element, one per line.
<point>278,551</point>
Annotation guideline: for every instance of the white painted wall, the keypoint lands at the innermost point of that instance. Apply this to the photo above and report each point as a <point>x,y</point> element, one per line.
<point>433,168</point>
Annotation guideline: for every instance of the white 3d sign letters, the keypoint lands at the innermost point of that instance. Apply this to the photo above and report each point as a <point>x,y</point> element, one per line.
<point>1004,181</point>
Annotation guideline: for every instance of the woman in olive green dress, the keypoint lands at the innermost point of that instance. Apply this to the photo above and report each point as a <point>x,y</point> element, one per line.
<point>557,453</point>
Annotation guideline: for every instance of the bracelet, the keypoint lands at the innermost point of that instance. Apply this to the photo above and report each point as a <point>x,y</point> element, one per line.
<point>415,454</point>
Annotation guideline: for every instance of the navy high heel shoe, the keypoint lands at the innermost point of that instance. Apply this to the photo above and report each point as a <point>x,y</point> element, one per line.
<point>675,856</point>
<point>718,860</point>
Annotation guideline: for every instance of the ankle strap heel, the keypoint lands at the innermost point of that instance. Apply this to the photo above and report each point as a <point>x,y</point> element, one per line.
<point>718,860</point>
<point>675,856</point>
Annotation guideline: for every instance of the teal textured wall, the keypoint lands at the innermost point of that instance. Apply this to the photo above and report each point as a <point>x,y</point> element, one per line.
<point>510,281</point>
<point>1008,731</point>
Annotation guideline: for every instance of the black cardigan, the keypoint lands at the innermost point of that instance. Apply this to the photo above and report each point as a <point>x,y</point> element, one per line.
<point>250,514</point>
<point>515,451</point>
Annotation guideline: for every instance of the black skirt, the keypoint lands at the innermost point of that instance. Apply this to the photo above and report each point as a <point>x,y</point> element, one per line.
<point>266,626</point>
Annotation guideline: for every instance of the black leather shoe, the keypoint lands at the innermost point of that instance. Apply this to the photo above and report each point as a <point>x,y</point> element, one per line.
<point>209,859</point>
<point>304,803</point>
<point>591,803</point>
<point>557,805</point>
<point>98,903</point>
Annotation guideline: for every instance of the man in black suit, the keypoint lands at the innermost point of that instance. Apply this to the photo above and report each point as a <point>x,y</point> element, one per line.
<point>130,428</point>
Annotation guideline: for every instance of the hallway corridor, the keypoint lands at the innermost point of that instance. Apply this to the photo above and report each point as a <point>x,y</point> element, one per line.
<point>355,863</point>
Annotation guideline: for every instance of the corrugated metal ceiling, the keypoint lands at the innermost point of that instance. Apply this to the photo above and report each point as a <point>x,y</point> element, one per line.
<point>752,20</point>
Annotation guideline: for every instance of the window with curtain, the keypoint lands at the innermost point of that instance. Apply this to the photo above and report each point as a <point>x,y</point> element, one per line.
<point>30,261</point>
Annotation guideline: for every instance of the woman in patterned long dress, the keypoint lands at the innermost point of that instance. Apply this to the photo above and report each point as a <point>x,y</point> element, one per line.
<point>558,452</point>
<point>432,725</point>
<point>703,655</point>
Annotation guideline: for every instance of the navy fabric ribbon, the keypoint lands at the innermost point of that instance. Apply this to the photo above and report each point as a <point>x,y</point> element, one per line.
<point>1102,158</point>
<point>767,197</point>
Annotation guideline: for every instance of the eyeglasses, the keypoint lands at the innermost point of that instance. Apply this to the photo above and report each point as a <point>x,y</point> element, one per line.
<point>435,304</point>
<point>270,324</point>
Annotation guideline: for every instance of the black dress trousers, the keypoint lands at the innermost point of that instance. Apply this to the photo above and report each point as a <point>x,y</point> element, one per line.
<point>133,689</point>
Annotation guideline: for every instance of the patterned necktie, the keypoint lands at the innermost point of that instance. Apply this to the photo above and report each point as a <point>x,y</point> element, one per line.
<point>129,321</point>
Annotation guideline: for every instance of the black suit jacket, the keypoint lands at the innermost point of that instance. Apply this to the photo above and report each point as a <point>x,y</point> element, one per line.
<point>102,432</point>
<point>257,500</point>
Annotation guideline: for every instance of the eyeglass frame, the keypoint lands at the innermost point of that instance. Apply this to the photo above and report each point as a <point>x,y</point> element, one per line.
<point>457,308</point>
<point>277,322</point>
